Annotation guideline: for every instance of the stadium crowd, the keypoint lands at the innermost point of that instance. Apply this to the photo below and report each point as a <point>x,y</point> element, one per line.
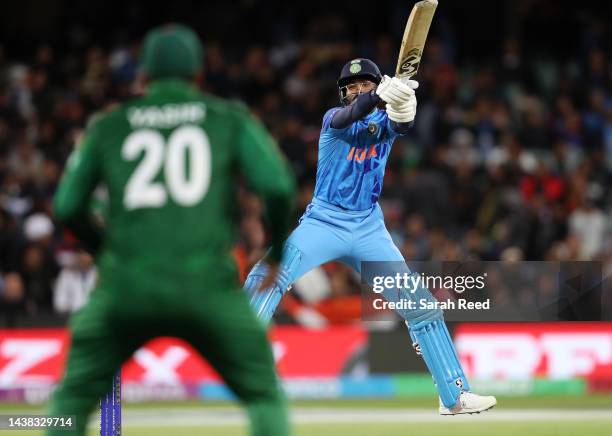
<point>510,158</point>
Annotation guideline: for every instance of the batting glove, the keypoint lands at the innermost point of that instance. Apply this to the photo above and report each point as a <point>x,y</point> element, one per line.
<point>383,85</point>
<point>394,91</point>
<point>412,83</point>
<point>403,112</point>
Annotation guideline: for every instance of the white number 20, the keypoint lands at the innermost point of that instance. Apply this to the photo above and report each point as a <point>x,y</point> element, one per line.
<point>184,189</point>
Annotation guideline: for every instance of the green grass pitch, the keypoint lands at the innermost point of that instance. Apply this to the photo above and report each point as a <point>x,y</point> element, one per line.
<point>556,421</point>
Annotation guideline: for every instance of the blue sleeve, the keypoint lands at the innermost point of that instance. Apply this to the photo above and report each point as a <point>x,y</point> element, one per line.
<point>363,105</point>
<point>329,136</point>
<point>400,128</point>
<point>328,117</point>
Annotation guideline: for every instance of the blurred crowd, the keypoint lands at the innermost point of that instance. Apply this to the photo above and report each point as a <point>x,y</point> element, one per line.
<point>509,159</point>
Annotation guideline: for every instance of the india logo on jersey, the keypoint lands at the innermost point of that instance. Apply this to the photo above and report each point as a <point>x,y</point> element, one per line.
<point>361,155</point>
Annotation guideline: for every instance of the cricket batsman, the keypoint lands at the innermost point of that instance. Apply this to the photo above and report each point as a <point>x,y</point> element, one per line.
<point>168,161</point>
<point>344,221</point>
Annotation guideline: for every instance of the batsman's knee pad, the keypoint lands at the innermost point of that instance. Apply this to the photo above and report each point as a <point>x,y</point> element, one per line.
<point>436,346</point>
<point>266,301</point>
<point>415,344</point>
<point>424,305</point>
<point>255,277</point>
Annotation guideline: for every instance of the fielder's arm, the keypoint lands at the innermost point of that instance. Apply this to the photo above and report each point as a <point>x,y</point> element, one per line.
<point>267,172</point>
<point>71,201</point>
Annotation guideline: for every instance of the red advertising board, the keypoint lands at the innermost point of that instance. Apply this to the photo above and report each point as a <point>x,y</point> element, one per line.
<point>489,351</point>
<point>556,351</point>
<point>33,356</point>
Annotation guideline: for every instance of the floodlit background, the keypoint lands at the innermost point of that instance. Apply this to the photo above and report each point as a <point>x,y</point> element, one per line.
<point>510,159</point>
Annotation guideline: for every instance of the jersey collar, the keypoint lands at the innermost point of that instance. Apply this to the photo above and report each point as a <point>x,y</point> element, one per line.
<point>171,86</point>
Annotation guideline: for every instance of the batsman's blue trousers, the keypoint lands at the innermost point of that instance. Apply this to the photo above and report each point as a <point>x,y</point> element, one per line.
<point>327,232</point>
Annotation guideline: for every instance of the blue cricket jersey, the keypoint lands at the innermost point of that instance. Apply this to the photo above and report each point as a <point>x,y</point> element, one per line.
<point>351,164</point>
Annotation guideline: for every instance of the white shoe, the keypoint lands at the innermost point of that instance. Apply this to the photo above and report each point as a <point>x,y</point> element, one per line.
<point>469,403</point>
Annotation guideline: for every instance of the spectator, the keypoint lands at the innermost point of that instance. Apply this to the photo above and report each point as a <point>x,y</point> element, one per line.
<point>74,284</point>
<point>501,158</point>
<point>587,225</point>
<point>12,298</point>
<point>38,272</point>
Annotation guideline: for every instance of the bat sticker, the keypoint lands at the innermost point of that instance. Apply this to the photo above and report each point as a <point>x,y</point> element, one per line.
<point>411,62</point>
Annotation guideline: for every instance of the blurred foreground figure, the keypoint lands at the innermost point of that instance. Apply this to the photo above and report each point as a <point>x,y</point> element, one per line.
<point>165,264</point>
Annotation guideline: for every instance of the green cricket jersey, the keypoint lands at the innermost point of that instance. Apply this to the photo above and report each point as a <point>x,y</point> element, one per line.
<point>168,161</point>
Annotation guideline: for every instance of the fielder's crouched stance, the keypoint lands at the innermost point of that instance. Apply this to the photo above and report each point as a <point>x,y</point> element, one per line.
<point>168,160</point>
<point>344,221</point>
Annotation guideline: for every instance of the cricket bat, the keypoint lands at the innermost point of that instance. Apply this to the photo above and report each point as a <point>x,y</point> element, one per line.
<point>414,38</point>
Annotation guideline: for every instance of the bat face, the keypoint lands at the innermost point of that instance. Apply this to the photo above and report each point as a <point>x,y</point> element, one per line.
<point>409,65</point>
<point>414,38</point>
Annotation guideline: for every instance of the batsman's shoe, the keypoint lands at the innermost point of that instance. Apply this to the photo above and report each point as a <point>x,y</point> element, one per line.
<point>469,403</point>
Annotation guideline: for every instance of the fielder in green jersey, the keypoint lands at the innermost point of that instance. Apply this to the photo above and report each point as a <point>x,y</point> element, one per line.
<point>168,162</point>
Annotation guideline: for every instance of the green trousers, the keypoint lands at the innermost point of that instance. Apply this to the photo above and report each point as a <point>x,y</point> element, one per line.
<point>218,322</point>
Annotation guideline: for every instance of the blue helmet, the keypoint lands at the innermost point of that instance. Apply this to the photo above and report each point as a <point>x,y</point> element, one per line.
<point>357,68</point>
